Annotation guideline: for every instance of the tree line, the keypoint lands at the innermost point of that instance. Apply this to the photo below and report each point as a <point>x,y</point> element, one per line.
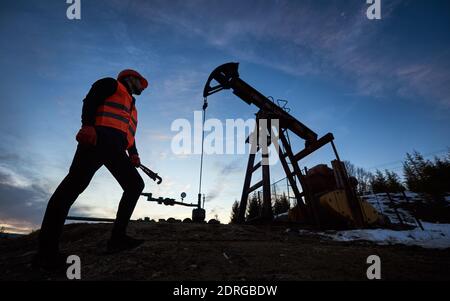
<point>280,205</point>
<point>429,177</point>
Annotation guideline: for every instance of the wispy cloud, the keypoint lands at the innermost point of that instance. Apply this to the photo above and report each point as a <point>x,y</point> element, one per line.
<point>230,167</point>
<point>22,203</point>
<point>307,38</point>
<point>93,211</point>
<point>222,184</point>
<point>24,197</point>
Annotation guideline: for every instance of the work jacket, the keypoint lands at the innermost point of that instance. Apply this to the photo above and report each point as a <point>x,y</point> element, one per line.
<point>109,98</point>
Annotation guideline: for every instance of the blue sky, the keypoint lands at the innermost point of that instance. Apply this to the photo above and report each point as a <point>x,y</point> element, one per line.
<point>382,87</point>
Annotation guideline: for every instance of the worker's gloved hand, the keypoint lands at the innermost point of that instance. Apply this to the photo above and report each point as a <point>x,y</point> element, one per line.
<point>87,135</point>
<point>135,160</point>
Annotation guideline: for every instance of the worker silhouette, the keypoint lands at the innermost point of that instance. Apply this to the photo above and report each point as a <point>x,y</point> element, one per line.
<point>109,121</point>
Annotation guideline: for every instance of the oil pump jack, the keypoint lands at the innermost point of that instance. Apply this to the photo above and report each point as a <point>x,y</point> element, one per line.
<point>325,197</point>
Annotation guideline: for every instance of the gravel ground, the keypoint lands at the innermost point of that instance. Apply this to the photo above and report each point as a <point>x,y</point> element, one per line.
<point>181,251</point>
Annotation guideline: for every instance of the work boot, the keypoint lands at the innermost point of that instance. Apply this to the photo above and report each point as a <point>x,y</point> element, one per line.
<point>52,263</point>
<point>122,243</point>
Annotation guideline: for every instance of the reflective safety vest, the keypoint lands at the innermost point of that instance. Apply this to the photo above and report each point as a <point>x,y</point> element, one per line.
<point>119,112</point>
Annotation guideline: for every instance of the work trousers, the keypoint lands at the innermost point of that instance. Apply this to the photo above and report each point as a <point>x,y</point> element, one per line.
<point>87,160</point>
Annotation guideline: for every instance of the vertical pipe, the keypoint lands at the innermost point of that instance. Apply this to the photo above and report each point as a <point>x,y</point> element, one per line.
<point>335,151</point>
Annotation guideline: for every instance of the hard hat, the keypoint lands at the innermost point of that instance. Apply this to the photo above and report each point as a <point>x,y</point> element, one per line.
<point>130,72</point>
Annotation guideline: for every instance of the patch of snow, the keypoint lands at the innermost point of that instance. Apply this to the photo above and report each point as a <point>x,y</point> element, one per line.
<point>387,207</point>
<point>412,195</point>
<point>285,214</point>
<point>282,217</point>
<point>435,236</point>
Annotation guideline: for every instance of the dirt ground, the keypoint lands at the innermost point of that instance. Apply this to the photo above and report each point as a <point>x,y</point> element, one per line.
<point>223,252</point>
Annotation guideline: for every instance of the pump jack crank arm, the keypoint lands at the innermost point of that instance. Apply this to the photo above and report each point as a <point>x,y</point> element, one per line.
<point>154,176</point>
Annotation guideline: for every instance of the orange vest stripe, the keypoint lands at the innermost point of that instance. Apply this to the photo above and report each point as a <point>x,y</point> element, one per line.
<point>115,116</point>
<point>134,120</point>
<point>131,130</point>
<point>116,105</point>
